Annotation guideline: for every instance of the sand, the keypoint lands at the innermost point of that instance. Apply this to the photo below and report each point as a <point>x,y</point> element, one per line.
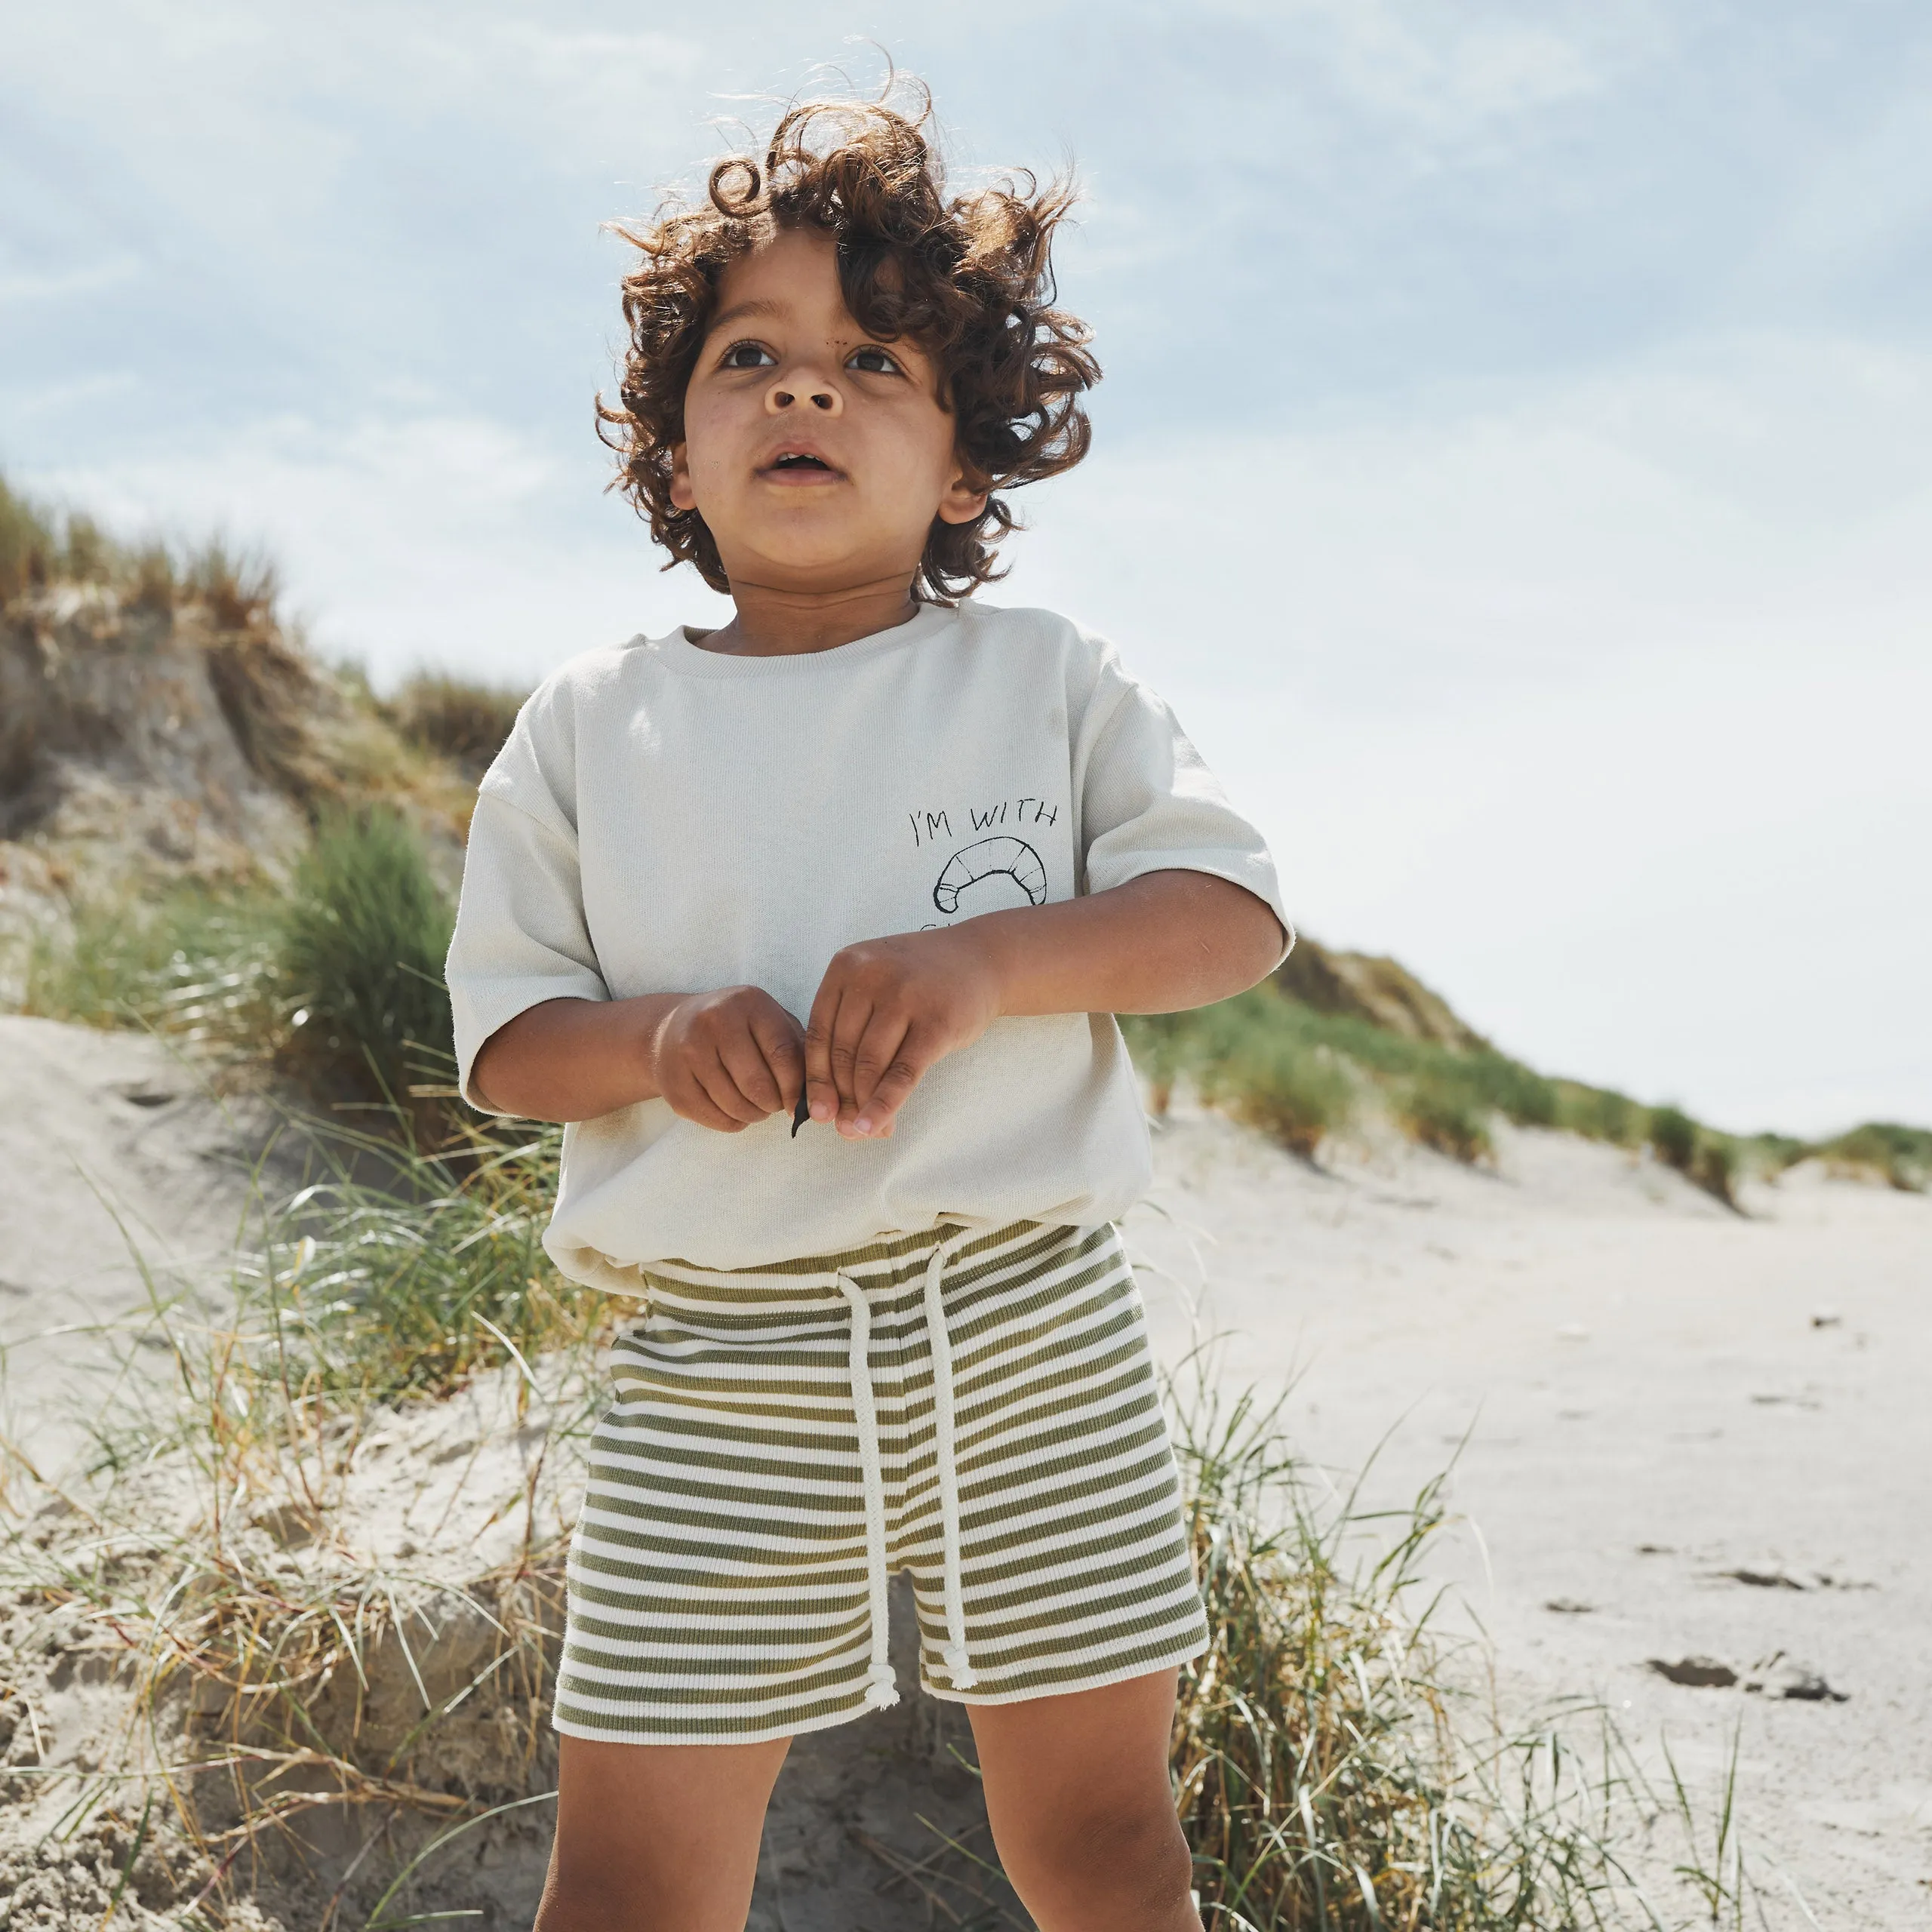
<point>1653,1397</point>
<point>1658,1396</point>
<point>121,1178</point>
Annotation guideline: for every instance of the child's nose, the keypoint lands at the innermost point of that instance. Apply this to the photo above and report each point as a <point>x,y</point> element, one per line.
<point>813,391</point>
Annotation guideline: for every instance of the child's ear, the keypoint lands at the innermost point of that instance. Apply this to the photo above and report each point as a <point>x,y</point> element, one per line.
<point>681,495</point>
<point>965,498</point>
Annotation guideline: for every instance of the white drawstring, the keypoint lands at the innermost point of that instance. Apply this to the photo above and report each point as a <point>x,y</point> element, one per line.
<point>881,1688</point>
<point>958,1667</point>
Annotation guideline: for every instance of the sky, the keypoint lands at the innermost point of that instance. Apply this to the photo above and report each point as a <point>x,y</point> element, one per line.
<point>1514,461</point>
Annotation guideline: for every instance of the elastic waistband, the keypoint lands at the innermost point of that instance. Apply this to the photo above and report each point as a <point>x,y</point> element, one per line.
<point>901,1256</point>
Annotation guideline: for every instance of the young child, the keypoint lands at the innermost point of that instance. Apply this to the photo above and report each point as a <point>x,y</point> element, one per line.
<point>813,928</point>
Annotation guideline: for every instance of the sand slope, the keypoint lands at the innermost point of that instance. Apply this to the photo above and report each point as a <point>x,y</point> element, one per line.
<point>118,1172</point>
<point>1656,1392</point>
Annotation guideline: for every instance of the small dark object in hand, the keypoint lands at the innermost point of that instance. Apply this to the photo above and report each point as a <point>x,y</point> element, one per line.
<point>800,1113</point>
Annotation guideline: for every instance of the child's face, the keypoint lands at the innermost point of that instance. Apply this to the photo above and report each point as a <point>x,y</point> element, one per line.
<point>817,455</point>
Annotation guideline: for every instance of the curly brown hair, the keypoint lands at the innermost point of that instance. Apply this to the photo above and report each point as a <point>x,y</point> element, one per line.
<point>969,279</point>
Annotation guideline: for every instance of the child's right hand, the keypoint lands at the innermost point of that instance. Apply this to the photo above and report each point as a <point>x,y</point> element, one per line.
<point>727,1059</point>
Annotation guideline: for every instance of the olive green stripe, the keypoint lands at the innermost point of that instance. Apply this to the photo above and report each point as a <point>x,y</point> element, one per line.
<point>694,1405</point>
<point>896,1309</point>
<point>1046,1420</point>
<point>1012,1660</point>
<point>1017,1324</point>
<point>1087,1572</point>
<point>806,1338</point>
<point>704,1530</point>
<point>1120,1526</point>
<point>1047,1394</point>
<point>988,1547</point>
<point>1104,1613</point>
<point>689,1685</point>
<point>1089,1462</point>
<point>833,1681</point>
<point>1092,1469</point>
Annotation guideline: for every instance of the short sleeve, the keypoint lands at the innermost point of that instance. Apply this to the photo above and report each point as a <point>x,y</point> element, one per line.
<point>522,937</point>
<point>1148,803</point>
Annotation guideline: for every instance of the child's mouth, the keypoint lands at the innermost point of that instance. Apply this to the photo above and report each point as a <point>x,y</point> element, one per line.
<point>801,464</point>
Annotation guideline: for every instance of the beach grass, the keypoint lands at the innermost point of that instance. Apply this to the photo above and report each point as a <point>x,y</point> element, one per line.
<point>457,718</point>
<point>1900,1155</point>
<point>1302,1075</point>
<point>42,544</point>
<point>360,955</point>
<point>195,961</point>
<point>277,1662</point>
<point>1337,1764</point>
<point>335,979</point>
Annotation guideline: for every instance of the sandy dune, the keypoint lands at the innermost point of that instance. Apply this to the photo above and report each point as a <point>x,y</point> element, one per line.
<point>111,1149</point>
<point>1656,1393</point>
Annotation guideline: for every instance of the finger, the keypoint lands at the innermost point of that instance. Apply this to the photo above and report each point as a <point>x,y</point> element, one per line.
<point>689,1101</point>
<point>885,1032</point>
<point>781,1041</point>
<point>879,1114</point>
<point>744,1062</point>
<point>848,1029</point>
<point>821,1090</point>
<point>715,1077</point>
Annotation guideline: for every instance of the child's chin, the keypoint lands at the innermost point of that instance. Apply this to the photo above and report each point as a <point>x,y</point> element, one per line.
<point>825,549</point>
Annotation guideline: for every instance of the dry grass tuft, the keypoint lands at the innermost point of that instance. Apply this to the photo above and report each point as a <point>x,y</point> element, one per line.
<point>455,718</point>
<point>278,1666</point>
<point>1333,1770</point>
<point>1301,1075</point>
<point>1900,1156</point>
<point>41,546</point>
<point>195,963</point>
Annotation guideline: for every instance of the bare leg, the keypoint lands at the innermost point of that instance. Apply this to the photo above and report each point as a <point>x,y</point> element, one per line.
<point>1082,1813</point>
<point>657,1837</point>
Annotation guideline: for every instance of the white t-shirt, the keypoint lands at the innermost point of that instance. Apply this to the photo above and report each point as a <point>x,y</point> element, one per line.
<point>666,819</point>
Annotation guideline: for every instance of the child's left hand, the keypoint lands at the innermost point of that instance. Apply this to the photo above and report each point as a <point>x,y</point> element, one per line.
<point>886,1010</point>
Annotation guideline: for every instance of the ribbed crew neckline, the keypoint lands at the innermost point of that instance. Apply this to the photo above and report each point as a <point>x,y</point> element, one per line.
<point>677,652</point>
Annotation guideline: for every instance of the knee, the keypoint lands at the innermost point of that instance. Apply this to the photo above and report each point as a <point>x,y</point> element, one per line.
<point>1108,1865</point>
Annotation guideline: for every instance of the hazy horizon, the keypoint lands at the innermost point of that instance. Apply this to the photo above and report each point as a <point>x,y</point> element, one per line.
<point>1513,462</point>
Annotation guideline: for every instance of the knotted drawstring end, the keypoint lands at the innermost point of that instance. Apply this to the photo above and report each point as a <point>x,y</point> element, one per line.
<point>962,1673</point>
<point>882,1693</point>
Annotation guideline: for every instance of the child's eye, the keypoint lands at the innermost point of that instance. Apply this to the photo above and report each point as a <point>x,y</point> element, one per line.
<point>873,361</point>
<point>747,356</point>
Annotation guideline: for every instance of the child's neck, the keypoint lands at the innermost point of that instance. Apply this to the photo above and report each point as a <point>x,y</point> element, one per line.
<point>777,623</point>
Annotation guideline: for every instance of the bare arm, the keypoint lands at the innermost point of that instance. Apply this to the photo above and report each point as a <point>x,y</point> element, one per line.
<point>1161,943</point>
<point>724,1059</point>
<point>887,1010</point>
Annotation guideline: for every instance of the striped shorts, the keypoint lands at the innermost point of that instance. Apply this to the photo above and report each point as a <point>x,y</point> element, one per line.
<point>976,1406</point>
